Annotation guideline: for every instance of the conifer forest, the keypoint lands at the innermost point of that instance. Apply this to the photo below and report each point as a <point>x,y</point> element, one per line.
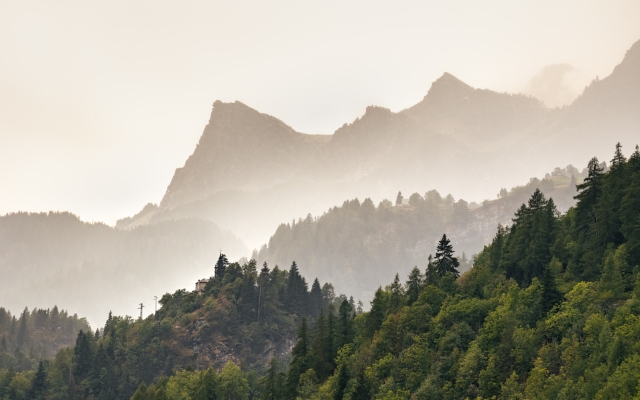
<point>320,200</point>
<point>549,310</point>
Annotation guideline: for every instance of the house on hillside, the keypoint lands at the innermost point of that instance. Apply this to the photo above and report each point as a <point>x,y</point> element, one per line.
<point>200,285</point>
<point>405,202</point>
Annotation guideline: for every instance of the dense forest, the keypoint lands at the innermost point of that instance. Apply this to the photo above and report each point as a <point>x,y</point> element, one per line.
<point>243,316</point>
<point>343,243</point>
<point>35,335</point>
<point>550,310</point>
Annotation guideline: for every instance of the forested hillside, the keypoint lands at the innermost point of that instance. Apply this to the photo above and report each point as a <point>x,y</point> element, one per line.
<point>44,256</point>
<point>35,335</point>
<point>550,310</point>
<point>244,316</point>
<point>359,245</point>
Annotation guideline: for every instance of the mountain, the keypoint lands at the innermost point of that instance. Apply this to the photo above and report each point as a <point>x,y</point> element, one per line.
<point>388,239</point>
<point>92,268</point>
<point>250,171</point>
<point>550,310</point>
<point>240,148</point>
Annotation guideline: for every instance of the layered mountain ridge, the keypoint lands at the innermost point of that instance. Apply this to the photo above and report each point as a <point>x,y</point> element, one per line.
<point>461,140</point>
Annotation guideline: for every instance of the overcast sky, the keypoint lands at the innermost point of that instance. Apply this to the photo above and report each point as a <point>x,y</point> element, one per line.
<point>100,103</point>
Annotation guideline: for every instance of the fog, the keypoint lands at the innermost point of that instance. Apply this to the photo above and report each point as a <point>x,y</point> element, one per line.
<point>175,132</point>
<point>100,103</point>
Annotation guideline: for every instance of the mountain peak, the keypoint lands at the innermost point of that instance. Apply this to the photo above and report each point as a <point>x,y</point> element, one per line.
<point>448,82</point>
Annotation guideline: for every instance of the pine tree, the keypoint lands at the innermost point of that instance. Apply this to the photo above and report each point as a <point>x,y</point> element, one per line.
<point>550,293</point>
<point>396,299</point>
<point>589,192</point>
<point>342,382</point>
<point>221,266</point>
<point>264,279</point>
<point>634,161</point>
<point>315,299</point>
<point>107,325</point>
<point>378,312</point>
<point>344,331</point>
<point>446,263</point>
<point>630,216</point>
<point>83,355</point>
<point>300,361</point>
<point>23,331</point>
<point>319,355</point>
<point>39,384</point>
<point>414,285</point>
<point>297,294</point>
<point>273,382</point>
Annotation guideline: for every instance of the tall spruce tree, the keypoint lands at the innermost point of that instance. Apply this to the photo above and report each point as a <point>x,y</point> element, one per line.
<point>300,361</point>
<point>273,382</point>
<point>297,293</point>
<point>446,263</point>
<point>589,191</point>
<point>344,330</point>
<point>38,387</point>
<point>378,312</point>
<point>315,299</point>
<point>414,285</point>
<point>264,279</point>
<point>319,354</point>
<point>221,266</point>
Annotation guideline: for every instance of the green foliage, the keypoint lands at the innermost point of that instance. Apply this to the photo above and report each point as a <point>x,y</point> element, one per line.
<point>550,310</point>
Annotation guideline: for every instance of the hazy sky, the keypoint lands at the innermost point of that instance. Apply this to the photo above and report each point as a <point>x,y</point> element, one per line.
<point>100,103</point>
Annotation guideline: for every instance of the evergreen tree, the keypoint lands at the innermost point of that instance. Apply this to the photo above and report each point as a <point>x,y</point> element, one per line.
<point>83,355</point>
<point>300,361</point>
<point>446,263</point>
<point>396,298</point>
<point>39,383</point>
<point>550,293</point>
<point>320,355</point>
<point>414,285</point>
<point>630,227</point>
<point>273,382</point>
<point>107,324</point>
<point>342,382</point>
<point>23,331</point>
<point>378,312</point>
<point>344,331</point>
<point>315,299</point>
<point>589,192</point>
<point>297,294</point>
<point>221,266</point>
<point>264,279</point>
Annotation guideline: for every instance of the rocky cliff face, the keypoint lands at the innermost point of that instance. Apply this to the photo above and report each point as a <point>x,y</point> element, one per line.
<point>243,149</point>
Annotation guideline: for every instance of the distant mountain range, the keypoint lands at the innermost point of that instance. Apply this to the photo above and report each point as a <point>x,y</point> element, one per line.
<point>251,174</point>
<point>250,171</point>
<point>91,268</point>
